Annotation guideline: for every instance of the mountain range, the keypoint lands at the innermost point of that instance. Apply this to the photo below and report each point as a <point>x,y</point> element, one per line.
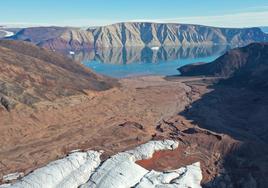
<point>139,34</point>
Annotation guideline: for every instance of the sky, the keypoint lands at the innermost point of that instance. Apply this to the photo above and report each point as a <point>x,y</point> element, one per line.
<point>85,13</point>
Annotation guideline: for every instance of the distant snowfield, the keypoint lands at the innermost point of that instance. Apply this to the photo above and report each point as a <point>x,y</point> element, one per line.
<point>7,33</point>
<point>85,169</point>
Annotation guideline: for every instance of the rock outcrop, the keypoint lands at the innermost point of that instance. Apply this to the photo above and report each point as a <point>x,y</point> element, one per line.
<point>138,34</point>
<point>84,169</point>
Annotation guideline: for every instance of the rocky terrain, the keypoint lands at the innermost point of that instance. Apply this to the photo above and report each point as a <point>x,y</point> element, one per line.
<point>139,34</point>
<point>30,74</point>
<point>218,120</point>
<point>245,63</point>
<point>237,106</point>
<point>49,129</point>
<point>57,38</point>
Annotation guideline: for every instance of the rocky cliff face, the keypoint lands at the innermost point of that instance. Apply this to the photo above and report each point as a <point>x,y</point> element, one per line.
<point>138,34</point>
<point>155,34</point>
<point>30,74</point>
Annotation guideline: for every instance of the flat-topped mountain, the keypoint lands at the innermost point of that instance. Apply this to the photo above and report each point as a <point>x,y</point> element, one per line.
<point>157,34</point>
<point>138,34</point>
<point>30,74</point>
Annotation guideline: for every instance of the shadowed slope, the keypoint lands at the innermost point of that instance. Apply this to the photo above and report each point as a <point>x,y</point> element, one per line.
<point>237,106</point>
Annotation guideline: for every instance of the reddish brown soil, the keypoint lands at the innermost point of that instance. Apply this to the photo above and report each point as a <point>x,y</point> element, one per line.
<point>122,118</point>
<point>112,120</point>
<point>168,160</point>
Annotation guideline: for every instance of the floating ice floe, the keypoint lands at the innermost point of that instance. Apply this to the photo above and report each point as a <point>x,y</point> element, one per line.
<point>84,169</point>
<point>155,48</point>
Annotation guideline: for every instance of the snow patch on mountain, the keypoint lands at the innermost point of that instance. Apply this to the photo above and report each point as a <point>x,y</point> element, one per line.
<point>7,33</point>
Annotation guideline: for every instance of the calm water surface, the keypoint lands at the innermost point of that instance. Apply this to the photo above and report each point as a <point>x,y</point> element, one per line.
<point>126,62</point>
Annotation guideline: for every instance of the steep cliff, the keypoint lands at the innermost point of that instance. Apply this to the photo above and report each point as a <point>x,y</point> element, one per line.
<point>155,34</point>
<point>138,34</point>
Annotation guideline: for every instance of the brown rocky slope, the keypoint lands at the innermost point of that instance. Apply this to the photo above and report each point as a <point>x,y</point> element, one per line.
<point>247,59</point>
<point>59,38</point>
<point>51,105</point>
<point>30,74</point>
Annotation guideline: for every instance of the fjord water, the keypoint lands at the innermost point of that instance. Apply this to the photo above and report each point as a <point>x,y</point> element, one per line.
<point>127,62</point>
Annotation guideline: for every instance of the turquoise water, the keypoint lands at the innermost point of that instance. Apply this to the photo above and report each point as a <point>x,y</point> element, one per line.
<point>163,68</point>
<point>127,62</point>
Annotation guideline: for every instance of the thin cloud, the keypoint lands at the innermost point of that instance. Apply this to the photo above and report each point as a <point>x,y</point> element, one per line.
<point>245,19</point>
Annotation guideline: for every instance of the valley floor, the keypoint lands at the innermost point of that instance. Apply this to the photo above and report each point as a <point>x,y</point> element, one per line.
<point>112,120</point>
<point>141,109</point>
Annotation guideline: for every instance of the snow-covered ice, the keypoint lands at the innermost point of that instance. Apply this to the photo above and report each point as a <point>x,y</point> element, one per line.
<point>84,169</point>
<point>7,33</point>
<point>185,177</point>
<point>68,172</point>
<point>13,176</point>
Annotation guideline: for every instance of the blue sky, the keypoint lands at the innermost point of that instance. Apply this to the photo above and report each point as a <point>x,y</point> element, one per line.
<point>229,13</point>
